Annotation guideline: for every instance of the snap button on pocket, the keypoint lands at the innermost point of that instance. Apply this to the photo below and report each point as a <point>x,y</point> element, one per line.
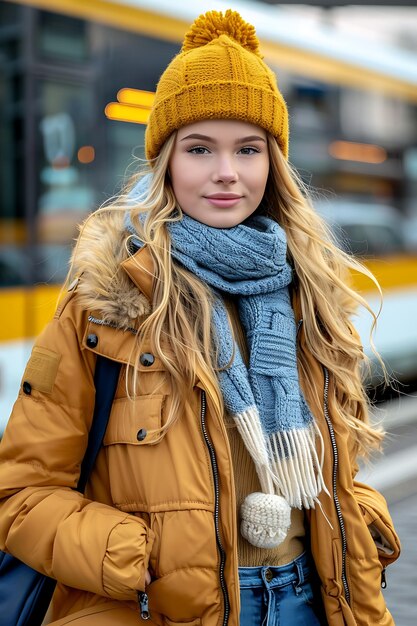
<point>132,421</point>
<point>147,359</point>
<point>27,388</point>
<point>92,341</point>
<point>141,434</point>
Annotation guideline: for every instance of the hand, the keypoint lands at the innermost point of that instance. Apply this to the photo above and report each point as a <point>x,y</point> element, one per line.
<point>148,578</point>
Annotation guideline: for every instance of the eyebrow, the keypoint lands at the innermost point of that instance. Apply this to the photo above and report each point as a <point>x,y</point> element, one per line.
<point>210,139</point>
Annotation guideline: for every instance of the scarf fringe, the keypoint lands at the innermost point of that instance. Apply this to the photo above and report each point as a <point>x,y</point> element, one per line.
<point>288,463</point>
<point>249,426</point>
<point>296,466</point>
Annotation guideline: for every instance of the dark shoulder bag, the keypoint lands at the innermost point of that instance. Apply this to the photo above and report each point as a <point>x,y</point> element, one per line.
<point>25,594</point>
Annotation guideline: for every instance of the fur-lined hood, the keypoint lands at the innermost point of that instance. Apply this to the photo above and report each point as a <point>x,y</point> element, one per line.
<point>104,286</point>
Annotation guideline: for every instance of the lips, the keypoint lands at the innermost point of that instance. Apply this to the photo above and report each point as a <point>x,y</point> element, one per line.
<point>223,196</point>
<point>223,200</point>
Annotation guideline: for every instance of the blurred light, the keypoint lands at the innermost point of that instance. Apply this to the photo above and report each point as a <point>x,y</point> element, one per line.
<point>60,163</point>
<point>126,113</point>
<point>137,97</point>
<point>362,152</point>
<point>133,105</point>
<point>86,154</point>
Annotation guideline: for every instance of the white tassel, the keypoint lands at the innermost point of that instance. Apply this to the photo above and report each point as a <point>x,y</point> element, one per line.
<point>250,429</point>
<point>296,467</point>
<point>287,463</point>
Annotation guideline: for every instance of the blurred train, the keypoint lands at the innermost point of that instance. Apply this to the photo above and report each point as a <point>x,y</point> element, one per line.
<point>384,241</point>
<point>62,64</point>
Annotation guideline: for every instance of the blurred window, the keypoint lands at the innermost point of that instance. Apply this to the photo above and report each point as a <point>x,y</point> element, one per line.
<point>371,240</point>
<point>385,239</point>
<point>65,183</point>
<point>61,157</point>
<point>62,38</point>
<point>9,13</point>
<point>353,239</point>
<point>13,260</point>
<point>13,268</point>
<point>311,106</point>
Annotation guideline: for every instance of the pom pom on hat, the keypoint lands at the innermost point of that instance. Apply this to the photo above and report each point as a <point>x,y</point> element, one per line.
<point>219,74</point>
<point>265,519</point>
<point>212,24</point>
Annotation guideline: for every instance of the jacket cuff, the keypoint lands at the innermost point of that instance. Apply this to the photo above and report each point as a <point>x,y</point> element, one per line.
<point>127,558</point>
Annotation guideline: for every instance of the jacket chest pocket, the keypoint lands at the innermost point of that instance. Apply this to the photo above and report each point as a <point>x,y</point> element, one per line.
<point>135,422</point>
<point>132,449</point>
<point>153,471</point>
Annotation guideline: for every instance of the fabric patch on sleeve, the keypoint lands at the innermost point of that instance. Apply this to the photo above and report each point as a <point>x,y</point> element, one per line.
<point>41,369</point>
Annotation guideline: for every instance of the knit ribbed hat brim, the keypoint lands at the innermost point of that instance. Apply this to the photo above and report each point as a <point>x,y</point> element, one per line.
<point>223,100</point>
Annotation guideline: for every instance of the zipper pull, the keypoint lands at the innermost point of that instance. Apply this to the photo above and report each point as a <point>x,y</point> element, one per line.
<point>383,578</point>
<point>143,605</point>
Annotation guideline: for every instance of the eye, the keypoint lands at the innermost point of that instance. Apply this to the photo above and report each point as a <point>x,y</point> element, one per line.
<point>198,150</point>
<point>248,150</point>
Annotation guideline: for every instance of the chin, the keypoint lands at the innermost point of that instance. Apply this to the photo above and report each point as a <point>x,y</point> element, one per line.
<point>225,222</point>
<point>221,220</point>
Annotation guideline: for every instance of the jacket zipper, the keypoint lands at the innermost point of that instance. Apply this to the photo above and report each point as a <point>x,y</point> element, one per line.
<point>144,605</point>
<point>215,471</point>
<point>335,497</point>
<point>384,578</point>
<point>101,322</point>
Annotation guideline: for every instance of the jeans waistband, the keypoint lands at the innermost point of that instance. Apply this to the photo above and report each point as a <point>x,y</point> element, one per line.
<point>297,571</point>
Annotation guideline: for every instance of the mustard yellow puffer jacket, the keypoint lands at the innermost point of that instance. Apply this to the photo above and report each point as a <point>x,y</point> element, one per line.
<point>168,506</point>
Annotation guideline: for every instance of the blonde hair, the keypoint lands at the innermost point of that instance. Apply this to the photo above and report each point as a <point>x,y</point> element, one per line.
<point>326,300</point>
<point>179,326</point>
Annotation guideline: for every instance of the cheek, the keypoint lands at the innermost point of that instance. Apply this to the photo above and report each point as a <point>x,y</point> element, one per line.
<point>184,187</point>
<point>179,180</point>
<point>259,177</point>
<point>184,176</point>
<point>258,168</point>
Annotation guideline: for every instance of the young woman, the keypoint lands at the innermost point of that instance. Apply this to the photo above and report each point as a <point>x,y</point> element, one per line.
<point>224,492</point>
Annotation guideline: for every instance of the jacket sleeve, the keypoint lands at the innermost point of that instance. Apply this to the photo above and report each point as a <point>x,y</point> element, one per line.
<point>43,520</point>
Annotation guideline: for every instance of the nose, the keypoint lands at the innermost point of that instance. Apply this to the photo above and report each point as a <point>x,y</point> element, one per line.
<point>225,170</point>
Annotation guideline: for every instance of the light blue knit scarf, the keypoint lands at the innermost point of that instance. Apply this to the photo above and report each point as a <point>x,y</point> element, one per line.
<point>249,262</point>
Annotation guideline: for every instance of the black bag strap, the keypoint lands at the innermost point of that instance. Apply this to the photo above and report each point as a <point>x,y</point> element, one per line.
<point>106,377</point>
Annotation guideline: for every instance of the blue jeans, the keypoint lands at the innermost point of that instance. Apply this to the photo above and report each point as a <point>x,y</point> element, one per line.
<point>280,596</point>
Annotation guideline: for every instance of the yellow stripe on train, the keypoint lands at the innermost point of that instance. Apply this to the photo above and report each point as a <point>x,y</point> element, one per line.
<point>397,272</point>
<point>24,311</point>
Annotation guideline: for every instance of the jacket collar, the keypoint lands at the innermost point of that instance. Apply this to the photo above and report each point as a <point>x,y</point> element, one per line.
<point>140,269</point>
<point>120,296</point>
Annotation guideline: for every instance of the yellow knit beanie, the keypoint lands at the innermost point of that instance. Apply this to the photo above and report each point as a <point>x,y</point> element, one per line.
<point>219,74</point>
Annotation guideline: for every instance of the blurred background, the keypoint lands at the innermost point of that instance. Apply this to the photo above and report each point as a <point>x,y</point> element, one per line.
<point>76,84</point>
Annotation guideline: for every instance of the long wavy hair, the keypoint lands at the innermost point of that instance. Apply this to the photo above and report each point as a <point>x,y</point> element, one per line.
<point>179,326</point>
<point>326,301</point>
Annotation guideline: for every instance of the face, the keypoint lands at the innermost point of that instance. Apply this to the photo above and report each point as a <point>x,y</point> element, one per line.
<point>219,170</point>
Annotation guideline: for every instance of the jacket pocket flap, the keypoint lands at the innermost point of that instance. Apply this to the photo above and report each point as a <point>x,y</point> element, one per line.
<point>134,421</point>
<point>375,511</point>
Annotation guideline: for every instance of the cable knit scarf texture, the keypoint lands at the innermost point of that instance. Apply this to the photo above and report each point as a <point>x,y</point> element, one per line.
<point>249,262</point>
